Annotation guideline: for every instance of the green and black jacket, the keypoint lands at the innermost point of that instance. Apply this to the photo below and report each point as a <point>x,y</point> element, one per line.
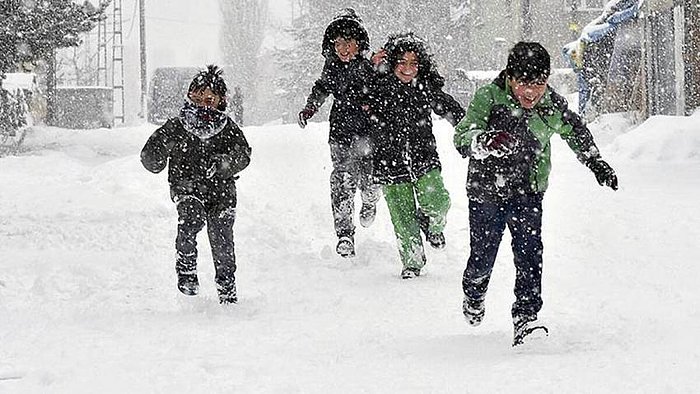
<point>527,168</point>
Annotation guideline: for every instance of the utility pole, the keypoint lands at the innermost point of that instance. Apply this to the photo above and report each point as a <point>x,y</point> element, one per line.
<point>118,62</point>
<point>526,20</point>
<point>144,69</point>
<point>692,56</point>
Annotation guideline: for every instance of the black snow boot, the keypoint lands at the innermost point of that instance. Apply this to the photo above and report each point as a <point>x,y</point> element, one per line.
<point>474,311</point>
<point>188,284</point>
<point>346,246</point>
<point>436,240</point>
<point>526,328</point>
<point>227,293</point>
<point>367,214</point>
<point>410,273</point>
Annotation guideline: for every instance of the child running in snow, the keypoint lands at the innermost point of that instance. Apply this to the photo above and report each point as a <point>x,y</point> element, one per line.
<point>404,93</point>
<point>506,135</point>
<point>204,150</point>
<point>344,74</point>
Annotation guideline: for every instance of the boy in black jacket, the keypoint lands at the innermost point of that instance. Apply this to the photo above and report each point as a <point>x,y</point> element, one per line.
<point>345,72</point>
<point>404,94</point>
<point>206,149</point>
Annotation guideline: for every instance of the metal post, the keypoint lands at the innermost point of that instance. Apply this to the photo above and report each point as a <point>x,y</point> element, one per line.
<point>142,38</point>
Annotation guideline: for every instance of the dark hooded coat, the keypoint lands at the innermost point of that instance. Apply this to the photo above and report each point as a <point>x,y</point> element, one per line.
<point>345,81</point>
<point>404,144</point>
<point>190,157</point>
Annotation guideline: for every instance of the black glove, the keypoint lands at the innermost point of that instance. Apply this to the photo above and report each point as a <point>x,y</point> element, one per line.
<point>305,115</point>
<point>604,174</point>
<point>496,142</point>
<point>219,164</point>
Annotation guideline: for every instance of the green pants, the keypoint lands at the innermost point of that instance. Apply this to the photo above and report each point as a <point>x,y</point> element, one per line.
<point>432,199</point>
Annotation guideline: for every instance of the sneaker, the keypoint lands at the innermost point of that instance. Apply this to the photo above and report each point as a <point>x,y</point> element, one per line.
<point>345,247</point>
<point>367,214</point>
<point>410,273</point>
<point>227,295</point>
<point>526,327</point>
<point>436,240</point>
<point>474,311</point>
<point>188,284</point>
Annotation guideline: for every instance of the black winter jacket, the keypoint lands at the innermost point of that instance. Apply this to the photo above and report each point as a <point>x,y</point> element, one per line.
<point>346,82</point>
<point>404,143</point>
<point>191,158</point>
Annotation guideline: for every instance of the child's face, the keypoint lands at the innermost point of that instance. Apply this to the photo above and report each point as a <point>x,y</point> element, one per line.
<point>205,98</point>
<point>528,94</point>
<point>407,67</point>
<point>346,48</point>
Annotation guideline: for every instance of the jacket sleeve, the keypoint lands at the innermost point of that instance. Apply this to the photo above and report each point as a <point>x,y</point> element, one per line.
<point>239,152</point>
<point>577,135</point>
<point>443,104</point>
<point>320,91</point>
<point>154,155</point>
<point>475,121</point>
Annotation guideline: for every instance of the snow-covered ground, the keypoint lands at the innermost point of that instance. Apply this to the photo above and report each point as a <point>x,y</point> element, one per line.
<point>88,301</point>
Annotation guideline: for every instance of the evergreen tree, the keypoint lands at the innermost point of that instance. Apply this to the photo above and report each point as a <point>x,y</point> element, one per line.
<point>241,38</point>
<point>32,30</point>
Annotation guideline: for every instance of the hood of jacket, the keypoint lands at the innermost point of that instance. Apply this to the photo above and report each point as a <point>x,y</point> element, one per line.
<point>348,25</point>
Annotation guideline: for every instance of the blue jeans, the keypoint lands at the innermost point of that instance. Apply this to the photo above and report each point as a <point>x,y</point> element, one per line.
<point>487,222</point>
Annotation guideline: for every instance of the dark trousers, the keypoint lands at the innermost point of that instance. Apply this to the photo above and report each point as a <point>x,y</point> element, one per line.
<point>352,169</point>
<point>487,221</point>
<point>192,216</point>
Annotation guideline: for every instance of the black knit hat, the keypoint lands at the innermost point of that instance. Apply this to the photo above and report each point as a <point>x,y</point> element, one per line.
<point>346,24</point>
<point>528,62</point>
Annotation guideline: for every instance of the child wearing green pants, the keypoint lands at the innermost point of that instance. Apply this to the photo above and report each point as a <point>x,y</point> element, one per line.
<point>405,92</point>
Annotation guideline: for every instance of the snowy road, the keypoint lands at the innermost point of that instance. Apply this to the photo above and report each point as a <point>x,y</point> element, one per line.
<point>89,304</point>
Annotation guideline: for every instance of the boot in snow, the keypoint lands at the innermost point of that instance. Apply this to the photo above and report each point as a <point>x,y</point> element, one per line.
<point>436,240</point>
<point>227,293</point>
<point>526,328</point>
<point>188,284</point>
<point>345,247</point>
<point>367,214</point>
<point>474,311</point>
<point>410,273</point>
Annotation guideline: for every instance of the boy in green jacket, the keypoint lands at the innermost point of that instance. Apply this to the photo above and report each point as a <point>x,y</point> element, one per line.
<point>506,134</point>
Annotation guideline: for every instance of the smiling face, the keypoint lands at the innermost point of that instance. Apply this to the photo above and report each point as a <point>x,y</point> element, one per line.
<point>346,49</point>
<point>407,67</point>
<point>528,94</point>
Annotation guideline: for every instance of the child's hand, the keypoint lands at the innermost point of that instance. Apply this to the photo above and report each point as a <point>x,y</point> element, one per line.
<point>496,143</point>
<point>604,174</point>
<point>378,57</point>
<point>305,115</point>
<point>220,163</point>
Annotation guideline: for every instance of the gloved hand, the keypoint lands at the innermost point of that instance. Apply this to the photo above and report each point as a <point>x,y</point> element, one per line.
<point>493,143</point>
<point>604,174</point>
<point>305,115</point>
<point>219,164</point>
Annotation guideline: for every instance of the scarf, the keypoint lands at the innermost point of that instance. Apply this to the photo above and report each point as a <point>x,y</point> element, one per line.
<point>203,122</point>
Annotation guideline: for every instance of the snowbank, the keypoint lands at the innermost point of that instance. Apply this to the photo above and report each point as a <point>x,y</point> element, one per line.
<point>661,138</point>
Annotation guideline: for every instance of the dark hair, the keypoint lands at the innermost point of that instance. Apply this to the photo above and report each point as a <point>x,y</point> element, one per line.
<point>210,78</point>
<point>528,62</point>
<point>398,44</point>
<point>346,25</point>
